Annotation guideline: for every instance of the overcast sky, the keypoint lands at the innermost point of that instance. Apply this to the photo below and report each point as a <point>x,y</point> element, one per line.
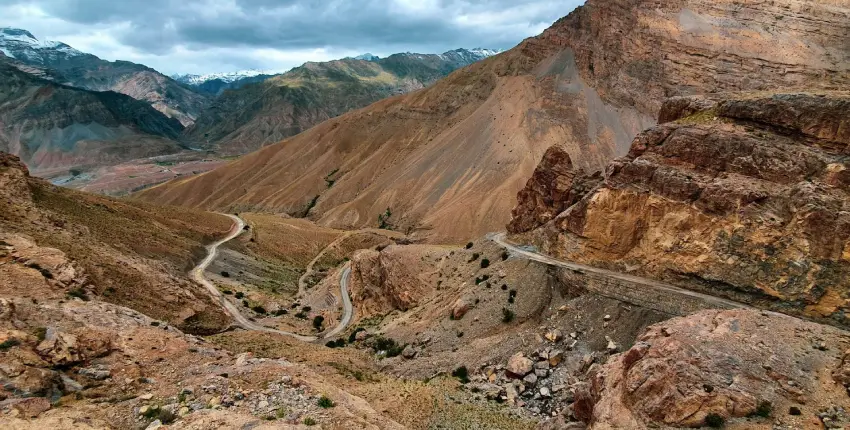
<point>204,36</point>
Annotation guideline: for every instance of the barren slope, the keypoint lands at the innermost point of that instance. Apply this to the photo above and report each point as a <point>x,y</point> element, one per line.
<point>448,160</point>
<point>132,254</point>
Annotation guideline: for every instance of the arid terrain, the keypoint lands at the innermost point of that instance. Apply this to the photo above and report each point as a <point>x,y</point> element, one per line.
<point>635,220</point>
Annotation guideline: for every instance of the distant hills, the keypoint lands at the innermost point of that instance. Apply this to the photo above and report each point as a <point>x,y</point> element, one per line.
<point>46,83</point>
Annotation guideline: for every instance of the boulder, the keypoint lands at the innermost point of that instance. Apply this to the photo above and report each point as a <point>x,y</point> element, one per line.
<point>519,366</point>
<point>460,307</point>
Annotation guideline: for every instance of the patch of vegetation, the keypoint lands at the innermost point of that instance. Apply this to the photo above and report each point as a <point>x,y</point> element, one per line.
<point>301,315</point>
<point>384,220</point>
<point>485,263</point>
<point>259,309</point>
<point>227,292</point>
<point>75,172</point>
<point>306,309</point>
<point>78,293</point>
<point>325,402</point>
<point>309,421</point>
<point>330,182</point>
<point>280,312</point>
<point>239,295</point>
<point>310,206</point>
<point>507,315</point>
<point>714,421</point>
<point>505,255</point>
<point>155,323</point>
<point>764,409</point>
<point>474,257</point>
<point>40,333</point>
<point>318,321</point>
<point>9,343</point>
<point>462,374</point>
<point>469,245</point>
<point>390,346</point>
<point>246,304</point>
<point>225,274</point>
<point>353,336</point>
<point>511,296</point>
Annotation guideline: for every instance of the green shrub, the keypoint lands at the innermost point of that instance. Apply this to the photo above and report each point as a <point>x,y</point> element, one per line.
<point>246,304</point>
<point>485,263</point>
<point>280,312</point>
<point>318,320</point>
<point>239,295</point>
<point>325,402</point>
<point>8,343</point>
<point>507,315</point>
<point>309,421</point>
<point>390,346</point>
<point>41,333</point>
<point>259,309</point>
<point>474,257</point>
<point>462,374</point>
<point>764,409</point>
<point>714,421</point>
<point>227,292</point>
<point>331,344</point>
<point>469,245</point>
<point>78,293</point>
<point>225,274</point>
<point>505,255</point>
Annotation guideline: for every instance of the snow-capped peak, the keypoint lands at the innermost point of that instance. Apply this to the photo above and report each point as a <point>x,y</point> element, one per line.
<point>225,77</point>
<point>22,45</point>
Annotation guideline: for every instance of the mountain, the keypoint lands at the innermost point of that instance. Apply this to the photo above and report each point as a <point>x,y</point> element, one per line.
<point>216,83</point>
<point>447,162</point>
<point>284,105</point>
<point>82,70</point>
<point>57,127</point>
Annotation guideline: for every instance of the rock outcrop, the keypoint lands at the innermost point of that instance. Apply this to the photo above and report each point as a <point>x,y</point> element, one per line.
<point>746,198</point>
<point>733,364</point>
<point>554,186</point>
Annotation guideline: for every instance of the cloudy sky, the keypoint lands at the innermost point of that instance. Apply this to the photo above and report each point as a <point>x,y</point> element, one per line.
<point>204,36</point>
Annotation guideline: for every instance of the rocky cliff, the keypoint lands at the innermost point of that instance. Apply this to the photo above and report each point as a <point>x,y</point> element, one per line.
<point>742,195</point>
<point>448,160</point>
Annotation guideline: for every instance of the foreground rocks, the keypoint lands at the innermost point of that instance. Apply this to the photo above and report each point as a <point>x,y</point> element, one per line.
<point>728,363</point>
<point>743,195</point>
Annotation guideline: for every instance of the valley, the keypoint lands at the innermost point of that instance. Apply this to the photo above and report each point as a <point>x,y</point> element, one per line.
<point>638,218</point>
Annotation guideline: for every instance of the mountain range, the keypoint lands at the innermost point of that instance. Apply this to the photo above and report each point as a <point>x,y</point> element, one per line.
<point>224,114</point>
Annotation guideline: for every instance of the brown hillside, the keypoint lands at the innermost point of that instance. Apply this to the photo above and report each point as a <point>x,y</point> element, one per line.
<point>448,160</point>
<point>132,254</point>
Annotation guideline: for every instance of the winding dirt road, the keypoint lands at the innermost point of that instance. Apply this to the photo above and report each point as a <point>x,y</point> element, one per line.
<point>500,239</point>
<point>240,320</point>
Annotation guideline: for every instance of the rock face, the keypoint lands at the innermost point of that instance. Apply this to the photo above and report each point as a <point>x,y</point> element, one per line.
<point>450,159</point>
<point>719,362</point>
<point>746,198</point>
<point>554,186</point>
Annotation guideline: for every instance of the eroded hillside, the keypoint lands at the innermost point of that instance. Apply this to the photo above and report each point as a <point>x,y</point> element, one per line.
<point>448,160</point>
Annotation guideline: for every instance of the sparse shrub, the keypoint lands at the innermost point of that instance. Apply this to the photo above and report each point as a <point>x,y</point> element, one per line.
<point>309,421</point>
<point>469,245</point>
<point>330,344</point>
<point>41,333</point>
<point>340,343</point>
<point>507,315</point>
<point>246,304</point>
<point>239,295</point>
<point>511,296</point>
<point>227,292</point>
<point>462,374</point>
<point>504,287</point>
<point>166,415</point>
<point>384,220</point>
<point>353,336</point>
<point>301,315</point>
<point>259,309</point>
<point>485,263</point>
<point>225,274</point>
<point>306,309</point>
<point>155,323</point>
<point>474,257</point>
<point>764,409</point>
<point>8,343</point>
<point>325,402</point>
<point>78,293</point>
<point>390,346</point>
<point>280,312</point>
<point>505,255</point>
<point>318,320</point>
<point>714,421</point>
